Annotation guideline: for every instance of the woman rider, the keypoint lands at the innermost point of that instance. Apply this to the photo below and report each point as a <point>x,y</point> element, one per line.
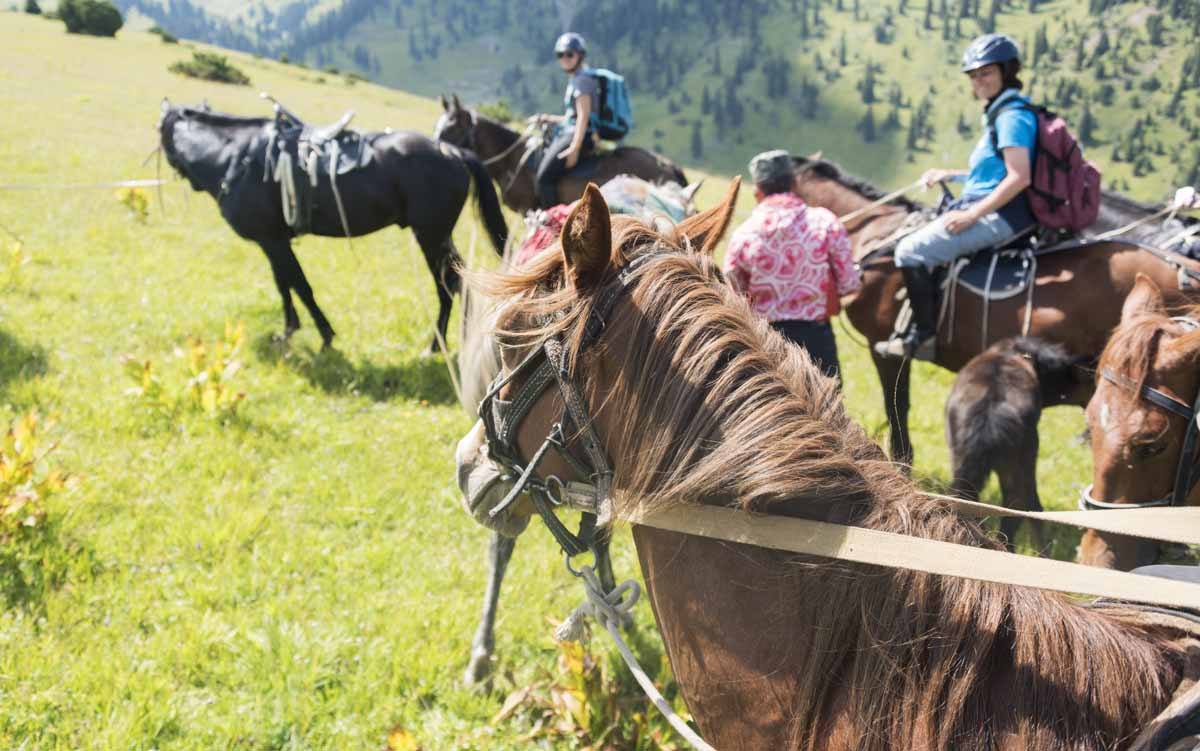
<point>574,138</point>
<point>993,207</point>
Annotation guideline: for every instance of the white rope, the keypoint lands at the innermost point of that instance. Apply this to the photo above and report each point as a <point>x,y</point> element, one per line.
<point>1185,234</point>
<point>334,150</point>
<point>611,611</point>
<point>1166,210</point>
<point>287,187</point>
<point>83,186</point>
<point>877,203</point>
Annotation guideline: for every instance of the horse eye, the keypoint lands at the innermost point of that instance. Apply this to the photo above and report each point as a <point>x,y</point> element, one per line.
<point>1147,450</point>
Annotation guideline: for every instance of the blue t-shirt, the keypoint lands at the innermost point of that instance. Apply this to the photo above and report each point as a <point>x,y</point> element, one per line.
<point>1015,126</point>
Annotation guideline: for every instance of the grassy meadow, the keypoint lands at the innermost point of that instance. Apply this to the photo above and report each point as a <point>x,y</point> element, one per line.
<point>300,576</point>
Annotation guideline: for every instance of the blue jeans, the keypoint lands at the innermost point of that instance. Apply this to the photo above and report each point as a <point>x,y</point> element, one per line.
<point>932,246</point>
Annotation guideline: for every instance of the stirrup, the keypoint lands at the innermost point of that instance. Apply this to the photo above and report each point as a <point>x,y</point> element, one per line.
<point>900,346</point>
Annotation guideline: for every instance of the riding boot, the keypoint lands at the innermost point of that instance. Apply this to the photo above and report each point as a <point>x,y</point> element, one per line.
<point>919,341</point>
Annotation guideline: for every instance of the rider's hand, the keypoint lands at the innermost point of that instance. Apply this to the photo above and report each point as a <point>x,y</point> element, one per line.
<point>957,221</point>
<point>1186,198</point>
<point>934,176</point>
<point>571,156</point>
<point>538,119</point>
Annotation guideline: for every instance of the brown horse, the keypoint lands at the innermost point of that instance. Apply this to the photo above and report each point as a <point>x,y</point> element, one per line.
<point>1138,445</point>
<point>695,400</point>
<point>1073,303</point>
<point>992,416</point>
<point>503,151</point>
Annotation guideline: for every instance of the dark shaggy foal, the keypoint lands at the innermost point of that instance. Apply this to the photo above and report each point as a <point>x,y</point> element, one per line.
<point>992,417</point>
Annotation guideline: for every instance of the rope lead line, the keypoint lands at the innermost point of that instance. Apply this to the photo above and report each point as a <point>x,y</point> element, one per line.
<point>611,611</point>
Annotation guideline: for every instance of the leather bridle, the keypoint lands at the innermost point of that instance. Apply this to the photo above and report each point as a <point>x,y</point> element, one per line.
<point>1187,470</point>
<point>545,366</point>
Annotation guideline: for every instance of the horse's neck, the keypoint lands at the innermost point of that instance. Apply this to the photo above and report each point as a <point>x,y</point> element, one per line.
<point>494,138</point>
<point>207,153</point>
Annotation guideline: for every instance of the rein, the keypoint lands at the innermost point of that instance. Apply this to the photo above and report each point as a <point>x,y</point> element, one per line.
<point>523,140</point>
<point>1187,470</point>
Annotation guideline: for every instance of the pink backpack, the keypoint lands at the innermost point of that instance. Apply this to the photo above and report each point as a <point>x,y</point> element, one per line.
<point>1065,192</point>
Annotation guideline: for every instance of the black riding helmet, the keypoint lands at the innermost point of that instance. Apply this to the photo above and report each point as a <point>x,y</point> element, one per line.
<point>570,42</point>
<point>990,49</point>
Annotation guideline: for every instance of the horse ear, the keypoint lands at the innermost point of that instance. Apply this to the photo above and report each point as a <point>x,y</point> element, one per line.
<point>816,156</point>
<point>445,104</point>
<point>706,229</point>
<point>166,104</point>
<point>1145,297</point>
<point>457,104</point>
<point>586,240</point>
<point>690,191</point>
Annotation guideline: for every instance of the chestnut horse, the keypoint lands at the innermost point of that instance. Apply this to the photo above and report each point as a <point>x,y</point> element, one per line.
<point>1073,303</point>
<point>502,149</point>
<point>1138,445</point>
<point>695,399</point>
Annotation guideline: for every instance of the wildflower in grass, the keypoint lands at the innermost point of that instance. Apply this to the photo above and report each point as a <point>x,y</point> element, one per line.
<point>27,478</point>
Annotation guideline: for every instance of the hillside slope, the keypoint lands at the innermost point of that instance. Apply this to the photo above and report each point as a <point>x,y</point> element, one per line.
<point>873,85</point>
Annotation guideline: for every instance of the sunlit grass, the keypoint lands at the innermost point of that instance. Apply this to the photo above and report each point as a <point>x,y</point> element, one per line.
<point>302,576</point>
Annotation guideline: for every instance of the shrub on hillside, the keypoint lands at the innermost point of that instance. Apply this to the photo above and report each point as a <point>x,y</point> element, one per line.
<point>95,17</point>
<point>209,66</point>
<point>32,8</point>
<point>163,34</point>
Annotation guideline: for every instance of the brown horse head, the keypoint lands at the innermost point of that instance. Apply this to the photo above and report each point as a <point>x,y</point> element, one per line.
<point>694,399</point>
<point>1137,445</point>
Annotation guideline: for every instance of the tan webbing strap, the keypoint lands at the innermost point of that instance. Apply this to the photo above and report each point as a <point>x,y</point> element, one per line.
<point>916,554</point>
<point>1169,524</point>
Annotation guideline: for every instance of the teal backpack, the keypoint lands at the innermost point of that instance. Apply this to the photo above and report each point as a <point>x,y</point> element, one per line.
<point>615,118</point>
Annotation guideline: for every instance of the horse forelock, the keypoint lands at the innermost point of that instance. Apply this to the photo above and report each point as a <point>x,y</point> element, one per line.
<point>1133,348</point>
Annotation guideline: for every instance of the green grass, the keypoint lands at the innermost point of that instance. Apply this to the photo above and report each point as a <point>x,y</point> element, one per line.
<point>304,577</point>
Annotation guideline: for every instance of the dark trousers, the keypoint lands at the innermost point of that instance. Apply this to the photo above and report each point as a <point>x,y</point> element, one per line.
<point>817,338</point>
<point>552,168</point>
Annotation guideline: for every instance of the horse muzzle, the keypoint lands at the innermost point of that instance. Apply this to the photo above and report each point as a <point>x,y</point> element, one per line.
<point>484,484</point>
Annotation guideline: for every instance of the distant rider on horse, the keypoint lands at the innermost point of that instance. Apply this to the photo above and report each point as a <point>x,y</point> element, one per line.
<point>993,207</point>
<point>575,137</point>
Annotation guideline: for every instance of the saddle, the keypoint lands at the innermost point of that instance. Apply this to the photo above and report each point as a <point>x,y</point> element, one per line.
<point>297,155</point>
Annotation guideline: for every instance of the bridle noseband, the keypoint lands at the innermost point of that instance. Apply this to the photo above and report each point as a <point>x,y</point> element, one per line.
<point>546,365</point>
<point>1187,470</point>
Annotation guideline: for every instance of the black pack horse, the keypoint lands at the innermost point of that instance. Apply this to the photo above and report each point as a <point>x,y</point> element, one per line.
<point>410,181</point>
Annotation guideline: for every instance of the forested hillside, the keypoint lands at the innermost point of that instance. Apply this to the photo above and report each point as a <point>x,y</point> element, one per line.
<point>874,85</point>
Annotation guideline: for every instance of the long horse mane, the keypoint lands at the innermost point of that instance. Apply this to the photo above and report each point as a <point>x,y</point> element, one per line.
<point>712,406</point>
<point>830,171</point>
<point>1134,345</point>
<point>220,119</point>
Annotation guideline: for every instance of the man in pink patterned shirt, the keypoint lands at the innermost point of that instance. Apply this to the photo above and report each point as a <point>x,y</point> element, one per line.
<point>792,260</point>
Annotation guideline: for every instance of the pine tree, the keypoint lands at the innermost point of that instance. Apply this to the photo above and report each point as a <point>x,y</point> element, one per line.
<point>32,8</point>
<point>928,22</point>
<point>866,126</point>
<point>697,141</point>
<point>842,51</point>
<point>1087,126</point>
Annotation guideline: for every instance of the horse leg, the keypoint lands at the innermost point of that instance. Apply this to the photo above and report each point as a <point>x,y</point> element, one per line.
<point>1018,483</point>
<point>440,255</point>
<point>480,664</point>
<point>894,378</point>
<point>290,267</point>
<point>291,321</point>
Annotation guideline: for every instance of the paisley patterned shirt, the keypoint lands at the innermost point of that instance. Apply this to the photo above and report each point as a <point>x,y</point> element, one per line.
<point>792,260</point>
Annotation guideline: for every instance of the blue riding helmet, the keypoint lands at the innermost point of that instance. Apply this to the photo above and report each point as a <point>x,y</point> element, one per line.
<point>570,42</point>
<point>989,49</point>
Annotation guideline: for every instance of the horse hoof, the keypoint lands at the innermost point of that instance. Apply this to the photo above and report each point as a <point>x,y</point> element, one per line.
<point>478,670</point>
